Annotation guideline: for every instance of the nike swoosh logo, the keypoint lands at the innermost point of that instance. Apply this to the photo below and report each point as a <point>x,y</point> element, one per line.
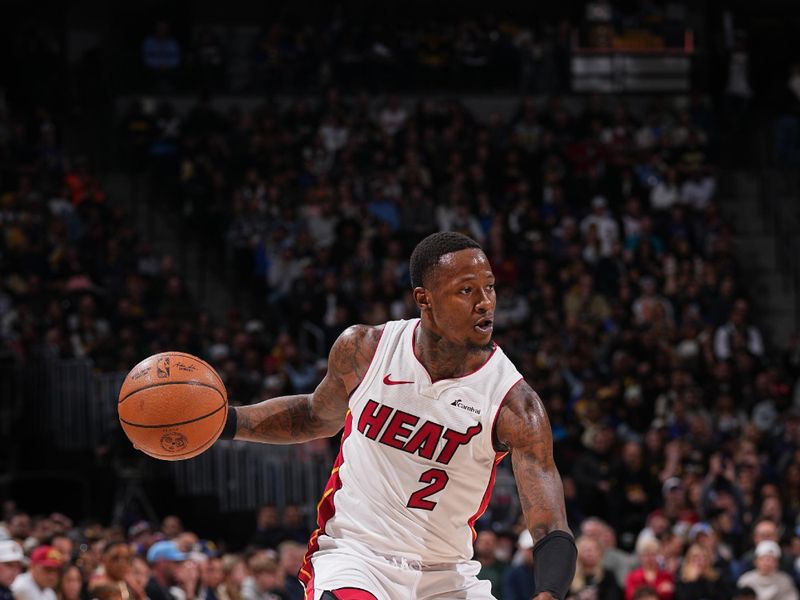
<point>388,381</point>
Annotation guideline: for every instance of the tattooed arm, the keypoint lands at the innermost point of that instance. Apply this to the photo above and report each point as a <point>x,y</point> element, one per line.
<point>524,429</point>
<point>295,419</point>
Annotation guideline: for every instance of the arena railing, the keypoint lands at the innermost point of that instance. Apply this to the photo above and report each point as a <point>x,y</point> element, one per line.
<point>73,407</point>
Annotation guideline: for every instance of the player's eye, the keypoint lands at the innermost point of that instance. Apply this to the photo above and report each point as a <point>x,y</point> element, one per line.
<point>466,290</point>
<point>490,287</point>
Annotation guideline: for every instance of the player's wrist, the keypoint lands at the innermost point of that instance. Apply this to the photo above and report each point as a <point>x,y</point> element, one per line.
<point>554,558</point>
<point>231,424</point>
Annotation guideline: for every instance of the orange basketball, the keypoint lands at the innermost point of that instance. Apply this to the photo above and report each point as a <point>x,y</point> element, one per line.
<point>172,406</point>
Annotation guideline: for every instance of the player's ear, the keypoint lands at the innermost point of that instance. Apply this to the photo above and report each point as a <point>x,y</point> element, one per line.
<point>422,298</point>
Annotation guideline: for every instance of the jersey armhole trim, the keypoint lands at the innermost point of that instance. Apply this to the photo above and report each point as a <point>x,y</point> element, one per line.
<point>370,374</point>
<point>493,433</point>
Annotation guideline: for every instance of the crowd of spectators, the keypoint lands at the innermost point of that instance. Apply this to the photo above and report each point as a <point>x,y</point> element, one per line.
<point>76,280</point>
<point>471,51</point>
<point>675,429</point>
<point>49,557</point>
<point>600,224</point>
<point>481,52</point>
<point>618,297</point>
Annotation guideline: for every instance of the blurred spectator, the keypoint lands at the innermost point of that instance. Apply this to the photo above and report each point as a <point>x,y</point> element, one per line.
<point>765,529</point>
<point>266,580</point>
<point>738,333</point>
<point>392,117</point>
<point>291,555</point>
<point>269,533</point>
<point>235,570</point>
<point>172,527</point>
<point>116,568</point>
<point>591,579</point>
<point>605,226</point>
<point>70,584</point>
<point>161,56</point>
<point>41,579</point>
<point>615,560</point>
<point>187,577</point>
<point>698,190</point>
<point>584,303</point>
<point>518,581</point>
<point>665,194</point>
<point>91,555</point>
<point>294,525</point>
<point>19,527</point>
<point>650,573</point>
<point>492,569</point>
<point>638,487</point>
<point>140,535</point>
<point>138,576</point>
<point>187,541</point>
<point>697,579</point>
<point>650,307</point>
<point>596,468</point>
<point>721,556</point>
<point>212,576</point>
<point>64,544</point>
<point>11,558</point>
<point>768,582</point>
<point>165,562</point>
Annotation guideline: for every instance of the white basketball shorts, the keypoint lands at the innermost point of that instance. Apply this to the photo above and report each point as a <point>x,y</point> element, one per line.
<point>364,575</point>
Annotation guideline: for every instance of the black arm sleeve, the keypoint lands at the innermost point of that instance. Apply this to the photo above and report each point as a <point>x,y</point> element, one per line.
<point>554,558</point>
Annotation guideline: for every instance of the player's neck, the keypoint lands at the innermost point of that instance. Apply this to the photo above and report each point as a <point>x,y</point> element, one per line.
<point>444,359</point>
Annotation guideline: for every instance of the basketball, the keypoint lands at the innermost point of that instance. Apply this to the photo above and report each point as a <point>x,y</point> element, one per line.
<point>172,406</point>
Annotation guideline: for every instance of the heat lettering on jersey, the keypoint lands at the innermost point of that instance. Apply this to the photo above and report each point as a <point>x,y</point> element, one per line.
<point>401,432</point>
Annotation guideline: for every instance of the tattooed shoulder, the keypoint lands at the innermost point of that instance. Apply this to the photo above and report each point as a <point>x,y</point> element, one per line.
<point>353,351</point>
<point>524,429</point>
<point>522,419</point>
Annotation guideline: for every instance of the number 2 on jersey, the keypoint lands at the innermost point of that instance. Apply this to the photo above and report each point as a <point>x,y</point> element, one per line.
<point>437,480</point>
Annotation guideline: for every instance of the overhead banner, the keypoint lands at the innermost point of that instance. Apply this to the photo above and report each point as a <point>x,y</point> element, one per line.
<point>621,72</point>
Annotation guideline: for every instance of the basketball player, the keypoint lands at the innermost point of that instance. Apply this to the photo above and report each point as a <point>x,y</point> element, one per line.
<point>430,406</point>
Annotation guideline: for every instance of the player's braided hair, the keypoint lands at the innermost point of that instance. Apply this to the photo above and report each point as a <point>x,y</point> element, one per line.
<point>427,253</point>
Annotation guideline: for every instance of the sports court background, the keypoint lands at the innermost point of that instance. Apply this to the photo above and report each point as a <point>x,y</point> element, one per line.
<point>243,182</point>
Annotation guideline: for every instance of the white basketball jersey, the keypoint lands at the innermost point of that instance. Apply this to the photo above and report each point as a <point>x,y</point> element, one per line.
<point>417,464</point>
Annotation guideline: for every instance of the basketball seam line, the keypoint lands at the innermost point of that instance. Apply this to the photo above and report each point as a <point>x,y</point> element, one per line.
<point>197,358</point>
<point>153,385</point>
<point>172,424</point>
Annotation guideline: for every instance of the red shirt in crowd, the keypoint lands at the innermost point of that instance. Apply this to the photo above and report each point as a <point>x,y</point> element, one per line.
<point>661,581</point>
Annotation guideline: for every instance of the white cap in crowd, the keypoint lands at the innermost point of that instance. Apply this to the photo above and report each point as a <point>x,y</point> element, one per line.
<point>768,548</point>
<point>11,551</point>
<point>525,540</point>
